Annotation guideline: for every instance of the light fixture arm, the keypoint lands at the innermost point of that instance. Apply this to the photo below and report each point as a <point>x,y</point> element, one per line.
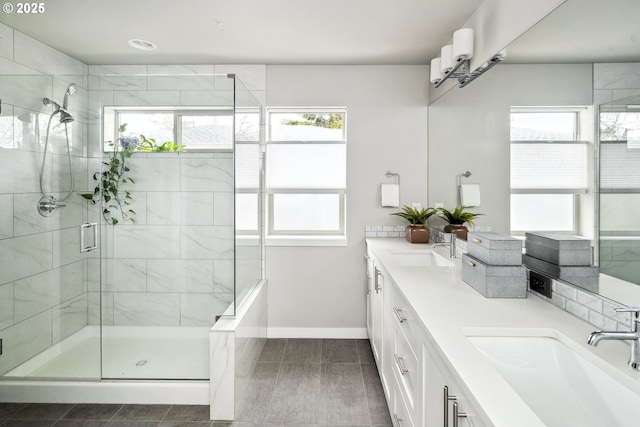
<point>460,70</point>
<point>453,73</point>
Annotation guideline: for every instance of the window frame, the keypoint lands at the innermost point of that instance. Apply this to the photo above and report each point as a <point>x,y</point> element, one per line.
<point>177,113</point>
<point>580,131</point>
<point>305,237</point>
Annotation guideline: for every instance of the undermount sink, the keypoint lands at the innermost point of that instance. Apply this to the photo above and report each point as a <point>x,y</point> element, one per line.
<point>564,384</point>
<point>420,258</point>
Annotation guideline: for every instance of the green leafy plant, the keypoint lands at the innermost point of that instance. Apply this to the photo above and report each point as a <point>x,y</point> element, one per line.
<point>458,216</point>
<point>415,216</point>
<point>149,145</point>
<point>115,202</point>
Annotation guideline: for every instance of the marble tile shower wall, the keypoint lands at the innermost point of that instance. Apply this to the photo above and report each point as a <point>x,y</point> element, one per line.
<point>174,266</point>
<point>42,274</point>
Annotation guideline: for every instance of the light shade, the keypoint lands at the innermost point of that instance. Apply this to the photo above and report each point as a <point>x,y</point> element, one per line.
<point>462,44</point>
<point>436,74</point>
<point>446,58</point>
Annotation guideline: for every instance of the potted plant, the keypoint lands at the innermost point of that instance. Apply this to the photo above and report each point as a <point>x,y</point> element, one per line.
<point>417,230</point>
<point>456,219</point>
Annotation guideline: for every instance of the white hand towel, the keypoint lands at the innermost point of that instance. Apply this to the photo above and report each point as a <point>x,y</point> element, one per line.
<point>390,195</point>
<point>470,195</point>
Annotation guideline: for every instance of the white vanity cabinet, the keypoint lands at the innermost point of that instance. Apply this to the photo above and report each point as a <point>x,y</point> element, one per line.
<point>411,369</point>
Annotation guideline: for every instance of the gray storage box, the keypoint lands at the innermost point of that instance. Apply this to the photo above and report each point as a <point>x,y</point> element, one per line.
<point>494,281</point>
<point>493,248</point>
<point>558,249</point>
<point>586,276</point>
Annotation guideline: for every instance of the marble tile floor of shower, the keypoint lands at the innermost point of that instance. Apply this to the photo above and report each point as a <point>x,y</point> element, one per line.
<point>297,382</point>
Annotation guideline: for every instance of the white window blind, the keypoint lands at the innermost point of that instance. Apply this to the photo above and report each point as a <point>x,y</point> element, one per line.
<point>306,172</point>
<point>548,168</point>
<point>548,165</point>
<point>619,166</point>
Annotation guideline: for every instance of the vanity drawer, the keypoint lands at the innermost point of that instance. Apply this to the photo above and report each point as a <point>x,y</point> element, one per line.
<point>405,368</point>
<point>405,318</point>
<point>494,281</point>
<point>400,414</point>
<point>493,248</point>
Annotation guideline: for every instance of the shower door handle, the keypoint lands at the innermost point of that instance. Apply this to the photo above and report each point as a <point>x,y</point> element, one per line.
<point>84,247</point>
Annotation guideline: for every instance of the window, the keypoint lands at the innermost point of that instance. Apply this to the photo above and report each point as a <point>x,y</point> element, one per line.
<point>306,164</point>
<point>548,168</point>
<point>195,128</point>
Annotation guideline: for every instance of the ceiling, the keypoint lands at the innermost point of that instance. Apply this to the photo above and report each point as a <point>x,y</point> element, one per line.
<point>252,31</point>
<point>316,32</point>
<point>582,31</point>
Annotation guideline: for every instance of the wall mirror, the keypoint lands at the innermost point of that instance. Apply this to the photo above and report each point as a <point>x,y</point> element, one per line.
<point>600,33</point>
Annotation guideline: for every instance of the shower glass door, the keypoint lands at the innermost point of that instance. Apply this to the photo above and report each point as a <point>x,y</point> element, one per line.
<point>46,313</point>
<point>168,241</point>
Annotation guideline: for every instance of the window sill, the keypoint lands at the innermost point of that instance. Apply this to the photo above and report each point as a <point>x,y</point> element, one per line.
<point>306,241</point>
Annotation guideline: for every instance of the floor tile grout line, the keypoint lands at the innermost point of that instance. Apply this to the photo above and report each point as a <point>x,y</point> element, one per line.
<point>275,383</point>
<point>366,395</point>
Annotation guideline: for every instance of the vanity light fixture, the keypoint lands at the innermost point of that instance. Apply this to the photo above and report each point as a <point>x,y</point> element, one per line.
<point>455,59</point>
<point>142,44</point>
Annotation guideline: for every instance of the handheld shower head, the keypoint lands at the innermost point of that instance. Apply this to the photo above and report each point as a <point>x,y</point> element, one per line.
<point>71,89</point>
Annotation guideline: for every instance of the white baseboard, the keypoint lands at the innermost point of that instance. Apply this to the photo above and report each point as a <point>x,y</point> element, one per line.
<point>349,333</point>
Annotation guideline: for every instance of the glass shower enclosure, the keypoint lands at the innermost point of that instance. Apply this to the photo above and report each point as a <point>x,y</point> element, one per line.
<point>130,220</point>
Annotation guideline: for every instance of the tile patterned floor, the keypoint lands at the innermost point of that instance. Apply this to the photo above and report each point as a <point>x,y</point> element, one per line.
<point>301,382</point>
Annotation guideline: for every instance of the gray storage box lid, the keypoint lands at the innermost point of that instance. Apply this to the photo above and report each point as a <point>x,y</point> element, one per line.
<point>492,240</point>
<point>559,241</point>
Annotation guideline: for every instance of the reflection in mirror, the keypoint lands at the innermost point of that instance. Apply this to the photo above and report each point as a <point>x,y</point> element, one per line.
<point>619,128</point>
<point>584,53</point>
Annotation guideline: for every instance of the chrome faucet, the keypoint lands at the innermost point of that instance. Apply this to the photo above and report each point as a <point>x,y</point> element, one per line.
<point>451,243</point>
<point>632,335</point>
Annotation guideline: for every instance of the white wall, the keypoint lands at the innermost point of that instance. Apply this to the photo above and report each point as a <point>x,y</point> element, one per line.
<point>324,287</point>
<point>469,130</point>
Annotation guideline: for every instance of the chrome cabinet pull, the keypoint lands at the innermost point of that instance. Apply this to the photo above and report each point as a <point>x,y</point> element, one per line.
<point>457,414</point>
<point>398,312</point>
<point>84,247</point>
<point>400,362</point>
<point>447,398</point>
<point>377,286</point>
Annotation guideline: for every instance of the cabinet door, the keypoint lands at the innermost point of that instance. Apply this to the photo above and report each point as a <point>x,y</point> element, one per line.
<point>370,292</point>
<point>439,401</point>
<point>377,315</point>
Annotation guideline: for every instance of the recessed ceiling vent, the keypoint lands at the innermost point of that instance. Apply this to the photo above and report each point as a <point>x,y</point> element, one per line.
<point>142,44</point>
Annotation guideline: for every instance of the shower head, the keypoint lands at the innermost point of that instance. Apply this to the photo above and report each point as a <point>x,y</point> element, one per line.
<point>71,89</point>
<point>65,117</point>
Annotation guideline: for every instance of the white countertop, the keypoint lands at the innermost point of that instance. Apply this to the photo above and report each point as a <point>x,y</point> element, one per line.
<point>447,307</point>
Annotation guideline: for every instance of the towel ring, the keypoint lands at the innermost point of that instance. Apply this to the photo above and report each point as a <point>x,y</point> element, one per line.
<point>393,174</point>
<point>467,174</point>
